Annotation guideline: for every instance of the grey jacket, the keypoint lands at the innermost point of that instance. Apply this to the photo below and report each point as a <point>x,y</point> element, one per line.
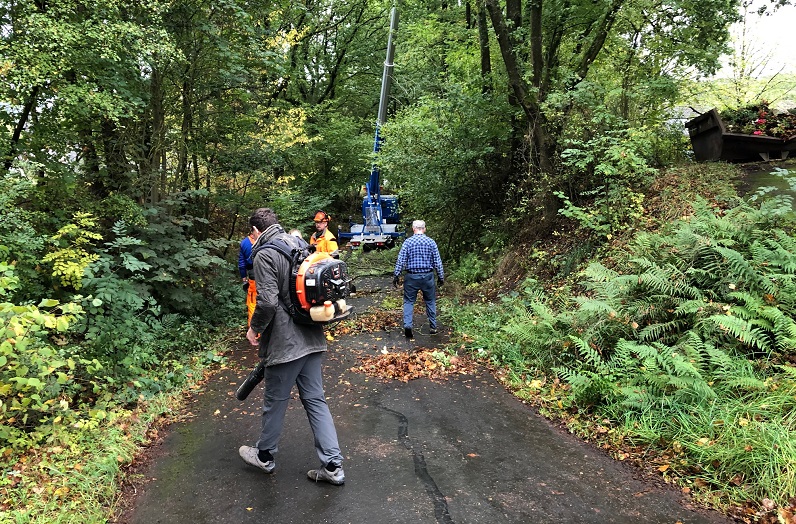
<point>281,339</point>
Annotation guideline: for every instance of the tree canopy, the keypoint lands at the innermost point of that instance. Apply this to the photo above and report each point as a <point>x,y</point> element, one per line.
<point>257,102</point>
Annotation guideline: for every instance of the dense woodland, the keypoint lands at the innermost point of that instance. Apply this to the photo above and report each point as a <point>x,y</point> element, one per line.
<point>138,137</point>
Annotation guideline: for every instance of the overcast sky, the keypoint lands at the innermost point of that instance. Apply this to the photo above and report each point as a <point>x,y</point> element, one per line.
<point>774,35</point>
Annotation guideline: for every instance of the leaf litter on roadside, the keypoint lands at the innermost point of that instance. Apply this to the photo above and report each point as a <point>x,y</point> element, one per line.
<point>371,322</point>
<point>423,363</point>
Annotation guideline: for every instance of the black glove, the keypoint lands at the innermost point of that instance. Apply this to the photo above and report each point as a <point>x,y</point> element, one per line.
<point>440,282</point>
<point>395,281</point>
<point>246,286</point>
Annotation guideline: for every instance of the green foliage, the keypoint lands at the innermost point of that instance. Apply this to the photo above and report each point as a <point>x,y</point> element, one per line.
<point>21,245</point>
<point>37,379</point>
<point>162,259</point>
<point>676,335</point>
<point>607,168</point>
<point>438,153</point>
<point>471,269</point>
<point>760,119</point>
<point>74,240</point>
<point>76,474</point>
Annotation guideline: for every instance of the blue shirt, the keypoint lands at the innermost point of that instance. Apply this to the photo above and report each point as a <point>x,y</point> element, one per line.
<point>419,254</point>
<point>244,256</point>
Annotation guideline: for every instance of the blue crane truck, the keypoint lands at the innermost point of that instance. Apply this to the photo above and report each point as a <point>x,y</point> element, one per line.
<point>380,226</point>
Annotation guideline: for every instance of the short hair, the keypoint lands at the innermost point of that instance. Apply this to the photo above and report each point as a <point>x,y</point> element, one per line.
<point>418,224</point>
<point>263,218</point>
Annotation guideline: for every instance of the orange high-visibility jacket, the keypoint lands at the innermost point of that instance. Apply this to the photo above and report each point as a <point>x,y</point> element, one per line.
<point>325,244</point>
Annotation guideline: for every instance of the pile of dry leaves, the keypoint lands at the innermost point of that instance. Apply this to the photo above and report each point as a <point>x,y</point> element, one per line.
<point>371,322</point>
<point>407,366</point>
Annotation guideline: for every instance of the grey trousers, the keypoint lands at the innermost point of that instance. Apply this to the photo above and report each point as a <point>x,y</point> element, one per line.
<point>306,374</point>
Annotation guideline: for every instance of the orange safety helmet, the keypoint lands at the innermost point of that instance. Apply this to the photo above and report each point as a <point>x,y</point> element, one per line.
<point>321,216</point>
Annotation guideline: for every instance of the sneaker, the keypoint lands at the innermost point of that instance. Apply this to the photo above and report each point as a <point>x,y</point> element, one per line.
<point>336,477</point>
<point>249,456</point>
<point>408,333</point>
<point>432,331</point>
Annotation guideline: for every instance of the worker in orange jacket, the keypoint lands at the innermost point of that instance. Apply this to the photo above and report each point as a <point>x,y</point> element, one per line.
<point>323,239</point>
<point>244,266</point>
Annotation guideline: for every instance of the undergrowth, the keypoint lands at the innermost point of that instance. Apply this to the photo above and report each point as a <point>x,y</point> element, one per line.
<point>76,478</point>
<point>676,352</point>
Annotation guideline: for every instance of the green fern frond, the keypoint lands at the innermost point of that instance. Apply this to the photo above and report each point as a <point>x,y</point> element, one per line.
<point>667,280</point>
<point>742,271</point>
<point>659,331</point>
<point>751,302</point>
<point>690,307</point>
<point>599,273</point>
<point>742,330</point>
<point>746,383</point>
<point>594,307</point>
<point>789,370</point>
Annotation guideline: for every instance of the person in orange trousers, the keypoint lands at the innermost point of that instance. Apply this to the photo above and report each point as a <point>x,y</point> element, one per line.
<point>244,266</point>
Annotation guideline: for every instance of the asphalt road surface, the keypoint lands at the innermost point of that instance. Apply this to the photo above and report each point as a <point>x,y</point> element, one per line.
<point>461,450</point>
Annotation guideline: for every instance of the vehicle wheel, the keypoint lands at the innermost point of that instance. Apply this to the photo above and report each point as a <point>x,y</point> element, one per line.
<point>390,243</point>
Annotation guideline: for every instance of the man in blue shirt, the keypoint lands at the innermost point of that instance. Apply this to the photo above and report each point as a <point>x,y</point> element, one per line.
<point>419,256</point>
<point>244,267</point>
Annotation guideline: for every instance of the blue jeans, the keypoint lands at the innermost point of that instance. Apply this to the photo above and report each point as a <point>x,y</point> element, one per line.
<point>279,380</point>
<point>423,282</point>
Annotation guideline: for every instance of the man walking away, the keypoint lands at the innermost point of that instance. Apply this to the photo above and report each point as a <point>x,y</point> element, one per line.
<point>419,256</point>
<point>292,353</point>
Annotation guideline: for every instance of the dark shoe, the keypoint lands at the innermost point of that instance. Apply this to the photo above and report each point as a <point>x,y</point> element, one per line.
<point>249,456</point>
<point>432,331</point>
<point>336,477</point>
<point>408,333</point>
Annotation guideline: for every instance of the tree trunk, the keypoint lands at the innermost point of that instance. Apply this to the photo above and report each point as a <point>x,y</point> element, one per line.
<point>183,183</point>
<point>23,119</point>
<point>535,23</point>
<point>155,146</point>
<point>483,41</point>
<point>118,175</point>
<point>539,138</point>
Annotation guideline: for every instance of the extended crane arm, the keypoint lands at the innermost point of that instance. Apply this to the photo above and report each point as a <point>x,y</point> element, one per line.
<point>374,192</point>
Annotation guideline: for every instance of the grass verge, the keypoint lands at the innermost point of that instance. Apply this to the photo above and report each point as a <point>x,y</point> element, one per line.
<point>649,355</point>
<point>75,478</point>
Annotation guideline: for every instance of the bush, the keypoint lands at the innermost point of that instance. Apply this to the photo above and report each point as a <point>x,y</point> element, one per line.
<point>471,269</point>
<point>685,343</point>
<point>760,119</point>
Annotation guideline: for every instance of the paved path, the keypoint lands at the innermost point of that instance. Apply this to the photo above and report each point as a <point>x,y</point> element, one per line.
<point>457,451</point>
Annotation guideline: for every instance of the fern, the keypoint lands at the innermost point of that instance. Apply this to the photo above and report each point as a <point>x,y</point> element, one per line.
<point>663,330</point>
<point>597,272</point>
<point>742,330</point>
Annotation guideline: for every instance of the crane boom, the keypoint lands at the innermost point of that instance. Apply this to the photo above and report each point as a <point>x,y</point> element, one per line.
<point>380,215</point>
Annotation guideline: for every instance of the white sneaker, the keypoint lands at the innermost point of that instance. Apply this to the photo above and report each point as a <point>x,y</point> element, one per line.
<point>249,456</point>
<point>336,477</point>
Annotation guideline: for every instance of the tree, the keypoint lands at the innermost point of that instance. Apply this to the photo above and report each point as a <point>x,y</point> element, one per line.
<point>566,41</point>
